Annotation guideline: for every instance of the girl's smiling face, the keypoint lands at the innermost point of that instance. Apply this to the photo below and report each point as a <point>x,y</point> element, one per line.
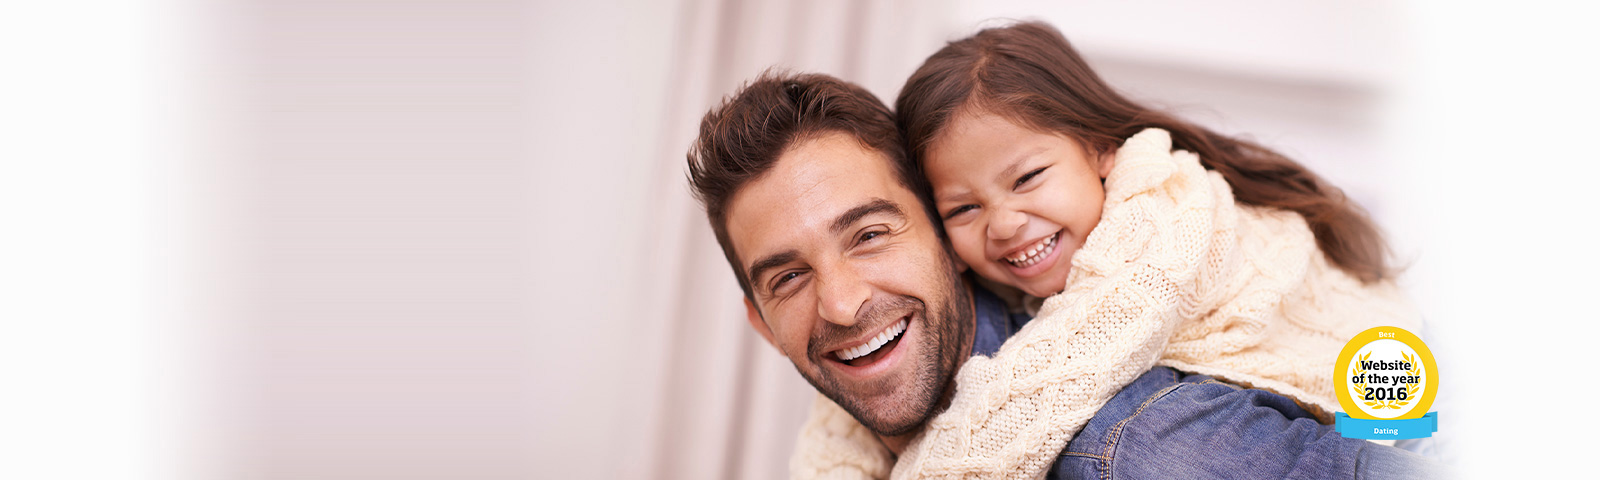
<point>1016,202</point>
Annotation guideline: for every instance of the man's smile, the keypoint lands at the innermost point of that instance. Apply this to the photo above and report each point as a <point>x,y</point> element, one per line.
<point>870,346</point>
<point>875,354</point>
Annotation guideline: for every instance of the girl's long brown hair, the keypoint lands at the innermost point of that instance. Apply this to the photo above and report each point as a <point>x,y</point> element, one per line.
<point>1029,73</point>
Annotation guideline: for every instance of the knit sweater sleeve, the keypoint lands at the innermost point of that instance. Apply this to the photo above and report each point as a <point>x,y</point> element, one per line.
<point>1012,413</point>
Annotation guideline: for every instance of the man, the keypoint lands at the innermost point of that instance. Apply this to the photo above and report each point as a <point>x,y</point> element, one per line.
<point>845,271</point>
<point>854,256</point>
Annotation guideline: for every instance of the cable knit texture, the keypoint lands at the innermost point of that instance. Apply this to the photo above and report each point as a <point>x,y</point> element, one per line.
<point>1175,274</point>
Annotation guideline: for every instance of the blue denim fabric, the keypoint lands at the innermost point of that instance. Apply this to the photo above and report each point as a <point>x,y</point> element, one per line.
<point>1167,424</point>
<point>995,324</point>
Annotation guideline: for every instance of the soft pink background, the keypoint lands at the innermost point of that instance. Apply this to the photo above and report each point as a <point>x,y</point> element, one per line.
<point>451,239</point>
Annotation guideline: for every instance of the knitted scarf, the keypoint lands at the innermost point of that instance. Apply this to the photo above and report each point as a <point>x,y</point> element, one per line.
<point>1176,274</point>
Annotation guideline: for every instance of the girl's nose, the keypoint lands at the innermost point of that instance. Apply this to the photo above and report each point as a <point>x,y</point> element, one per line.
<point>1005,223</point>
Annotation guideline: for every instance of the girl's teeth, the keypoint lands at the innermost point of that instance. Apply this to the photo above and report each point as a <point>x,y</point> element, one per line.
<point>1032,255</point>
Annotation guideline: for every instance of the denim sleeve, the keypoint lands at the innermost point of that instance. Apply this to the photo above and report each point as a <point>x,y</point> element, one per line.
<point>1211,429</point>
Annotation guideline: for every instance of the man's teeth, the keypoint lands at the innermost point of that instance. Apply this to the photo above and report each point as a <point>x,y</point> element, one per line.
<point>1033,254</point>
<point>862,350</point>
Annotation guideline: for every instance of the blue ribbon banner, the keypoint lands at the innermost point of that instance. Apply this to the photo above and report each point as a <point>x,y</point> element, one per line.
<point>1386,429</point>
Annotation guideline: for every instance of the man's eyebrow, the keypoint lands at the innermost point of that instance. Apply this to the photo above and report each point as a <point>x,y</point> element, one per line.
<point>876,206</point>
<point>770,262</point>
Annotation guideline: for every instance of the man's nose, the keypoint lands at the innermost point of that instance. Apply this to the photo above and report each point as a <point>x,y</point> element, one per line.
<point>1004,223</point>
<point>840,294</point>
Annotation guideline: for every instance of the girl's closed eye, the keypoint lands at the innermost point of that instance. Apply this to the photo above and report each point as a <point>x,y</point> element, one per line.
<point>959,210</point>
<point>1028,176</point>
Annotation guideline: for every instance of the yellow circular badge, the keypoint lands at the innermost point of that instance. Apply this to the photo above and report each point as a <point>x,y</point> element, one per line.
<point>1385,373</point>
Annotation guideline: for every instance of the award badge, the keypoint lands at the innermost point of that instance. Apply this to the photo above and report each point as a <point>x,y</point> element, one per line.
<point>1386,380</point>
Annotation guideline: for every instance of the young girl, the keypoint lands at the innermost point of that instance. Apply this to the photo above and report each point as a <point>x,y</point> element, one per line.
<point>1152,241</point>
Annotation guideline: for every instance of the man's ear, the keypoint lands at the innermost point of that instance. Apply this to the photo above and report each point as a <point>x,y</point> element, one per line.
<point>754,316</point>
<point>1105,161</point>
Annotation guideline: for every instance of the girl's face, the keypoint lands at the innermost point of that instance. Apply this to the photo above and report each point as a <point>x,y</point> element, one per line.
<point>1017,202</point>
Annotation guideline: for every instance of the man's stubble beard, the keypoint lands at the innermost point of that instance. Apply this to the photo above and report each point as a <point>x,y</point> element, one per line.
<point>941,344</point>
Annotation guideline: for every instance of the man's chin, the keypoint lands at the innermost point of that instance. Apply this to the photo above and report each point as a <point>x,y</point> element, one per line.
<point>903,406</point>
<point>896,395</point>
<point>887,417</point>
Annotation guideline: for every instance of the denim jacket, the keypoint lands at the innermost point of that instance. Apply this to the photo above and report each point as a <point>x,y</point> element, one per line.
<point>1168,424</point>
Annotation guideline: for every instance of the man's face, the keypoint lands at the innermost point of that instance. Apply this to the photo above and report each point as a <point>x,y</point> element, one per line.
<point>851,282</point>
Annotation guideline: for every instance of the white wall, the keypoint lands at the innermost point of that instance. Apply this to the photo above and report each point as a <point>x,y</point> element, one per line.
<point>80,173</point>
<point>1494,121</point>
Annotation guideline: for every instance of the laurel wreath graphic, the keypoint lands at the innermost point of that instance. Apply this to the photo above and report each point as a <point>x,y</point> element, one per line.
<point>1411,388</point>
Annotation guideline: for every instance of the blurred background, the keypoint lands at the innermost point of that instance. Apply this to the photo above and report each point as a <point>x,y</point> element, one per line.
<point>452,239</point>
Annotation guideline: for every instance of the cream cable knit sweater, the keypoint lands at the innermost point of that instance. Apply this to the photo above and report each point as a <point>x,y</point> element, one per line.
<point>1175,274</point>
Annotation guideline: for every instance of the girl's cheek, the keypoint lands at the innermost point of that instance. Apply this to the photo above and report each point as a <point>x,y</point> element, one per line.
<point>969,246</point>
<point>958,243</point>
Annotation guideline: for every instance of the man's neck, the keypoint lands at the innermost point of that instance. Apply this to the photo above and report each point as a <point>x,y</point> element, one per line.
<point>898,443</point>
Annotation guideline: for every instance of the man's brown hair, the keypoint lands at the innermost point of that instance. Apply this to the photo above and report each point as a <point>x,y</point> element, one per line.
<point>744,136</point>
